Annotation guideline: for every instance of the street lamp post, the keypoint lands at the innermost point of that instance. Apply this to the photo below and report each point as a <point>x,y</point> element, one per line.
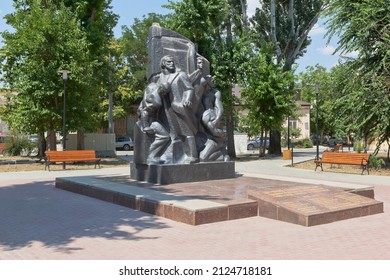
<point>64,78</point>
<point>288,133</point>
<point>110,101</point>
<point>317,136</point>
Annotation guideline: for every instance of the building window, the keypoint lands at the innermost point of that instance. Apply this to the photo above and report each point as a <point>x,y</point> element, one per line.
<point>293,123</point>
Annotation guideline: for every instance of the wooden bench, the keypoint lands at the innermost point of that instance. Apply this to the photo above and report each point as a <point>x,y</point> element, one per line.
<point>71,156</point>
<point>344,158</point>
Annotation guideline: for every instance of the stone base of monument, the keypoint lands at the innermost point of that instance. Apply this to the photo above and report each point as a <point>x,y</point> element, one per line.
<point>164,174</point>
<point>312,205</point>
<point>213,201</point>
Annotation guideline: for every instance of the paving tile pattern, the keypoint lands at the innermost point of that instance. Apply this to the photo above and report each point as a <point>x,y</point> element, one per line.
<point>39,221</point>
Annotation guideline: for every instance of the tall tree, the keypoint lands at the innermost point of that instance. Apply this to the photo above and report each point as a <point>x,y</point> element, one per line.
<point>97,21</point>
<point>46,39</point>
<point>364,27</point>
<point>317,78</point>
<point>267,93</point>
<point>286,24</point>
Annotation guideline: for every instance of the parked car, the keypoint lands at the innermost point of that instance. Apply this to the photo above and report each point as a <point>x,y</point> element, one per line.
<point>255,144</point>
<point>332,141</point>
<point>124,143</point>
<point>33,138</point>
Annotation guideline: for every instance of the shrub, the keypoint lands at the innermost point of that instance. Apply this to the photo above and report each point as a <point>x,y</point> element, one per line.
<point>307,143</point>
<point>17,145</point>
<point>358,147</point>
<point>376,163</point>
<point>304,143</point>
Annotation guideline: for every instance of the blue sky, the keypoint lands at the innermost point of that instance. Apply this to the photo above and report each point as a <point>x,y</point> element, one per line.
<point>317,52</point>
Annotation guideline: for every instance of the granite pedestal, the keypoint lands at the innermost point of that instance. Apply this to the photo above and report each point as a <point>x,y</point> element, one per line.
<point>164,174</point>
<point>212,201</point>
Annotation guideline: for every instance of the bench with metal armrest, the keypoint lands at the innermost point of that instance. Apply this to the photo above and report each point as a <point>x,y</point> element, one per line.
<point>71,156</point>
<point>361,160</point>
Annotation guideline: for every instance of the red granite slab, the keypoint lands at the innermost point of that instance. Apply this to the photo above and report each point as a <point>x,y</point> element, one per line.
<point>311,205</point>
<point>221,200</point>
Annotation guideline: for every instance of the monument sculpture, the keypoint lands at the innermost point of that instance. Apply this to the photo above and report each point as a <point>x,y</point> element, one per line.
<point>178,129</point>
<point>178,138</point>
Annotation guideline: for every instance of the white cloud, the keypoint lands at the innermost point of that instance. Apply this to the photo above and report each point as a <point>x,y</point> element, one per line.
<point>317,30</point>
<point>252,5</point>
<point>330,50</point>
<point>327,50</point>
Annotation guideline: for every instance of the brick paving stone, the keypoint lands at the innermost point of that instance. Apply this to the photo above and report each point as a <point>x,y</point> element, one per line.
<point>38,221</point>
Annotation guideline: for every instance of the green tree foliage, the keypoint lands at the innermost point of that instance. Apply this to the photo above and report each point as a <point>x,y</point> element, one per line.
<point>45,40</point>
<point>293,21</point>
<point>339,117</point>
<point>286,24</point>
<point>364,27</point>
<point>317,78</point>
<point>97,20</point>
<point>131,57</point>
<point>267,93</point>
<point>363,108</point>
<point>226,58</point>
<point>199,21</point>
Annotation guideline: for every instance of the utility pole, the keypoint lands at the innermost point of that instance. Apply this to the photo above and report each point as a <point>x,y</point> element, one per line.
<point>288,133</point>
<point>64,78</point>
<point>110,101</point>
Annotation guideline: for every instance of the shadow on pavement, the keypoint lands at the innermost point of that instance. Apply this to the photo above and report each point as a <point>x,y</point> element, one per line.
<point>38,212</point>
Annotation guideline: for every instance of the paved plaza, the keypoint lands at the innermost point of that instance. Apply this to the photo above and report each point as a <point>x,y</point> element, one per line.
<point>41,222</point>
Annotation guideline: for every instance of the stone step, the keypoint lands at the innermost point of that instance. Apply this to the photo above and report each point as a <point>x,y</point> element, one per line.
<point>222,200</point>
<point>310,205</point>
<point>185,209</point>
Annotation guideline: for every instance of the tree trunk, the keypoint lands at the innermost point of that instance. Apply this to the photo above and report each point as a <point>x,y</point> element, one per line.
<point>80,140</point>
<point>41,145</point>
<point>263,144</point>
<point>275,147</point>
<point>52,141</point>
<point>274,140</point>
<point>229,112</point>
<point>244,13</point>
<point>273,30</point>
<point>291,16</point>
<point>229,118</point>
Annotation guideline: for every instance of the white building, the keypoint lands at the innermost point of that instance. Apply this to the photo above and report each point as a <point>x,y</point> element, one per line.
<point>3,125</point>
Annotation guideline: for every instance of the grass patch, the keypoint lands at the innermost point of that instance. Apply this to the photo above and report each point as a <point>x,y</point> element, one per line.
<point>17,163</point>
<point>343,168</point>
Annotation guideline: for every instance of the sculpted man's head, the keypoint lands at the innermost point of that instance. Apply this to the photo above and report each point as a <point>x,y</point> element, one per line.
<point>199,63</point>
<point>167,63</point>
